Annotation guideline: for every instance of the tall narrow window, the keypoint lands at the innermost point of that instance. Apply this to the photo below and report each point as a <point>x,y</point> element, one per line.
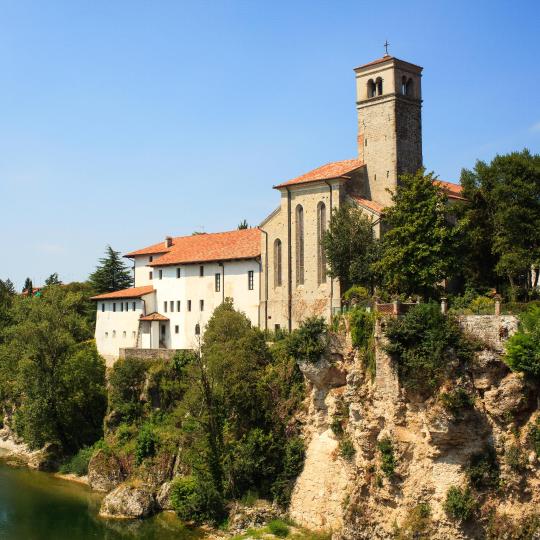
<point>134,305</point>
<point>197,329</point>
<point>121,306</point>
<point>102,307</point>
<point>127,306</point>
<point>378,83</point>
<point>161,274</point>
<point>321,230</point>
<point>250,279</point>
<point>189,305</point>
<point>201,271</point>
<point>299,245</point>
<point>171,305</point>
<point>178,305</point>
<point>277,262</point>
<point>150,275</point>
<point>114,306</point>
<point>201,305</point>
<point>178,272</point>
<point>165,306</point>
<point>218,282</point>
<point>370,88</point>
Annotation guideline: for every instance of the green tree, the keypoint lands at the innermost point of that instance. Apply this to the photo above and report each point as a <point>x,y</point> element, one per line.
<point>50,375</point>
<point>500,220</point>
<point>112,274</point>
<point>351,247</point>
<point>7,294</point>
<point>53,279</point>
<point>418,250</point>
<point>28,287</point>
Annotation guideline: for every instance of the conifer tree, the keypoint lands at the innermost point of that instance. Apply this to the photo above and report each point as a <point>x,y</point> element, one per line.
<point>112,274</point>
<point>53,279</point>
<point>28,287</point>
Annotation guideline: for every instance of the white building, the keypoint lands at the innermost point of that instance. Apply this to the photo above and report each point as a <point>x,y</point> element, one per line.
<point>178,284</point>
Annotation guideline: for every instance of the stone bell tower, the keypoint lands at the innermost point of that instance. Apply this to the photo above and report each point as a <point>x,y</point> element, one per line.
<point>388,101</point>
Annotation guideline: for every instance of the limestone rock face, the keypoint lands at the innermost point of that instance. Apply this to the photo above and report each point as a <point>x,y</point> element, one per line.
<point>128,502</point>
<point>163,497</point>
<point>323,374</point>
<point>509,398</point>
<point>105,471</point>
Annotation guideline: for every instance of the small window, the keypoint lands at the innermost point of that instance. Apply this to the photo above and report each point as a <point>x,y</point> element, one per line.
<point>134,305</point>
<point>121,306</point>
<point>250,279</point>
<point>161,274</point>
<point>124,334</point>
<point>178,273</point>
<point>178,306</point>
<point>218,282</point>
<point>277,327</point>
<point>171,305</point>
<point>197,329</point>
<point>165,306</point>
<point>150,275</point>
<point>106,334</point>
<point>201,271</point>
<point>114,306</point>
<point>151,258</point>
<point>114,334</point>
<point>176,329</point>
<point>127,306</point>
<point>102,307</point>
<point>201,305</point>
<point>189,305</point>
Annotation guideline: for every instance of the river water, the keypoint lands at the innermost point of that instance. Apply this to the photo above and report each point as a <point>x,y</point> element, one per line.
<point>37,506</point>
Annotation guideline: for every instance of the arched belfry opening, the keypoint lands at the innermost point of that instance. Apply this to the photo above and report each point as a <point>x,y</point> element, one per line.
<point>371,88</point>
<point>379,86</point>
<point>407,86</point>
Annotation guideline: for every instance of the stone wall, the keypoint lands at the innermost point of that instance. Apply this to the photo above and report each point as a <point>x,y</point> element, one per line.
<point>149,354</point>
<point>493,330</point>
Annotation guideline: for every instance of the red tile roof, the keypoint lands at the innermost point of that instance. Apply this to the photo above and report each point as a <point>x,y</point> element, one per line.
<point>335,169</point>
<point>375,62</point>
<point>133,292</point>
<point>454,191</point>
<point>155,316</point>
<point>224,246</point>
<point>371,205</point>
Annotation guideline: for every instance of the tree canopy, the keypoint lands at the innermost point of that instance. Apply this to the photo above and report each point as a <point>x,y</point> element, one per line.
<point>419,248</point>
<point>351,247</point>
<point>112,274</point>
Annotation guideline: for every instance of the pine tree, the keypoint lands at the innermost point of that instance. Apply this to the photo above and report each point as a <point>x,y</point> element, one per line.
<point>28,287</point>
<point>53,279</point>
<point>112,274</point>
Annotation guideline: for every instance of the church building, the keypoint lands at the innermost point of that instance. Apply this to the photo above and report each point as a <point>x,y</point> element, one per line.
<point>276,273</point>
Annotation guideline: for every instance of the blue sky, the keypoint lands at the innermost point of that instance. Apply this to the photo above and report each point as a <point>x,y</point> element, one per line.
<point>123,122</point>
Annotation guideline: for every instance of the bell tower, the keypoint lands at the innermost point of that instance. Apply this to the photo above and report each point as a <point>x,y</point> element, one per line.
<point>388,101</point>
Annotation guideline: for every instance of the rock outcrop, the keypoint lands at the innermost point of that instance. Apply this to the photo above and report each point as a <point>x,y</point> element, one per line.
<point>128,502</point>
<point>432,447</point>
<point>105,471</point>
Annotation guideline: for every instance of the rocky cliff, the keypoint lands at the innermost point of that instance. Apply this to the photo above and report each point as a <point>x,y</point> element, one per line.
<point>384,470</point>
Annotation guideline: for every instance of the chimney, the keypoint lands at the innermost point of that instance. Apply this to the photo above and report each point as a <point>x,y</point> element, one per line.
<point>168,241</point>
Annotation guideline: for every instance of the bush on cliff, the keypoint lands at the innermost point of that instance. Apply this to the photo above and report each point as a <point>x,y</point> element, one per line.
<point>425,345</point>
<point>309,341</point>
<point>523,348</point>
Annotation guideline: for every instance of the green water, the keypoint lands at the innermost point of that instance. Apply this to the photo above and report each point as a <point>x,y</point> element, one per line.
<point>38,506</point>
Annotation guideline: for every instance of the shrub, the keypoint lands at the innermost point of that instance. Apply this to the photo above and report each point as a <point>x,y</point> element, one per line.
<point>278,528</point>
<point>388,460</point>
<point>346,449</point>
<point>534,436</point>
<point>336,426</point>
<point>456,401</point>
<point>501,526</point>
<point>482,305</point>
<point>293,464</point>
<point>424,343</point>
<point>78,464</point>
<point>460,503</point>
<point>196,500</point>
<point>146,444</point>
<point>514,457</point>
<point>356,296</point>
<point>417,524</point>
<point>523,348</point>
<point>362,324</point>
<point>483,470</point>
<point>309,341</point>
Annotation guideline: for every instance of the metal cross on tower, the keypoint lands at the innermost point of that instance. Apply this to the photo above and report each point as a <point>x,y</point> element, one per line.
<point>386,47</point>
